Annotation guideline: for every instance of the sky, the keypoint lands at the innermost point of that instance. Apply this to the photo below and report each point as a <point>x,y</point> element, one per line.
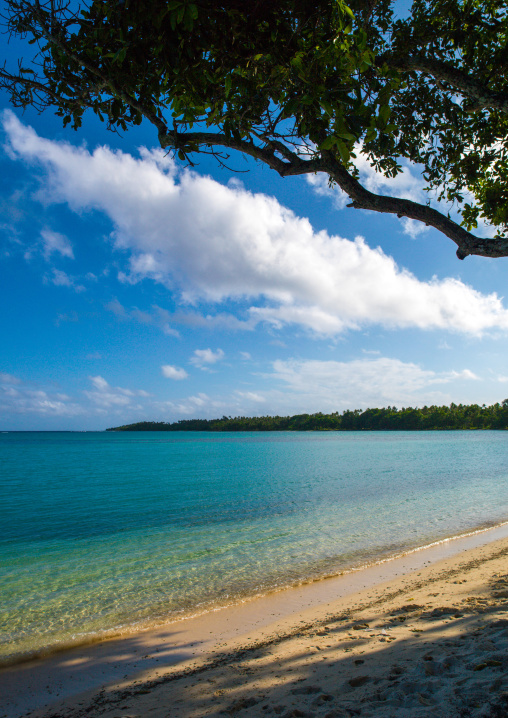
<point>135,288</point>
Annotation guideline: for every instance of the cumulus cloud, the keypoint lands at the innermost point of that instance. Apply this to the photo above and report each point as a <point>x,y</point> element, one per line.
<point>206,356</point>
<point>108,397</point>
<point>200,405</point>
<point>50,243</point>
<point>213,242</point>
<point>334,385</point>
<point>55,242</point>
<point>19,397</point>
<point>252,396</point>
<point>28,398</point>
<point>62,279</point>
<point>173,372</point>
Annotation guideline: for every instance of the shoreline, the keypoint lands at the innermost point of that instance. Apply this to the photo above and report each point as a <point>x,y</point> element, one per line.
<point>120,632</point>
<point>146,655</point>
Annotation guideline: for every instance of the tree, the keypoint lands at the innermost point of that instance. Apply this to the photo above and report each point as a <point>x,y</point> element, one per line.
<point>300,85</point>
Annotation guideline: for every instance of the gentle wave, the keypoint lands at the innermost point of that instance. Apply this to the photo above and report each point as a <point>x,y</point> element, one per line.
<point>109,534</point>
<point>122,631</point>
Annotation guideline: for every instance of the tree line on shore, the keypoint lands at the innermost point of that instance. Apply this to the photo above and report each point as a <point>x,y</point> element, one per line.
<point>455,416</point>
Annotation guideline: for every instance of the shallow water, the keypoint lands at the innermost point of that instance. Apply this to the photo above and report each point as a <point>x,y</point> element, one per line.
<point>102,531</point>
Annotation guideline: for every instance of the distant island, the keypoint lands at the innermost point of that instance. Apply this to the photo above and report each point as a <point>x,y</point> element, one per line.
<point>455,416</point>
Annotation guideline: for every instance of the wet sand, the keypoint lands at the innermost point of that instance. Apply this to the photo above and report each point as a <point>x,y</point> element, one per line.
<point>425,634</point>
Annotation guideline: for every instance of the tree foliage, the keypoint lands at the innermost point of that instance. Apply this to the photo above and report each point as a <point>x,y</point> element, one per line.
<point>302,86</point>
<point>455,416</point>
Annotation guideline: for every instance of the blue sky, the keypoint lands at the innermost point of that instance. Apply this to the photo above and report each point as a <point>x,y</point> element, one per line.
<point>134,288</point>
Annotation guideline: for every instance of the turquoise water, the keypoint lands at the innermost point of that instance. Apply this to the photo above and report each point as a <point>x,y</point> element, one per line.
<point>103,532</point>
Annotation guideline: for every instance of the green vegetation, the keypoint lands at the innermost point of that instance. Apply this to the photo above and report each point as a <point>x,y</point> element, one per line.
<point>298,85</point>
<point>461,416</point>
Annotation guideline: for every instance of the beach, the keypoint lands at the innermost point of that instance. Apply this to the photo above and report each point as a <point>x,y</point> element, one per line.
<point>424,634</point>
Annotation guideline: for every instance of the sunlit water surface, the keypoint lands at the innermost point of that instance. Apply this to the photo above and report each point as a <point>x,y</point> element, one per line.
<point>106,531</point>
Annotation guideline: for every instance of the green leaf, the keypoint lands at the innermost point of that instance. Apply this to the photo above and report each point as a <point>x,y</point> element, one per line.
<point>120,55</point>
<point>384,113</point>
<point>328,143</point>
<point>343,151</point>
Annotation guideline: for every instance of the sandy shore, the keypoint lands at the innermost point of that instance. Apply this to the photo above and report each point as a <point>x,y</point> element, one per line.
<point>424,635</point>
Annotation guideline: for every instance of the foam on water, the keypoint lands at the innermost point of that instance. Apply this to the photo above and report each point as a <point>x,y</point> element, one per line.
<point>106,533</point>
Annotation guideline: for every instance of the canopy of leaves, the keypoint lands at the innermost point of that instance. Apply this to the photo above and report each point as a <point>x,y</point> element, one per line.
<point>303,86</point>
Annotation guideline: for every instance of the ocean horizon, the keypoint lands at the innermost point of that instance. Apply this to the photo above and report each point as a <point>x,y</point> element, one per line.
<point>106,532</point>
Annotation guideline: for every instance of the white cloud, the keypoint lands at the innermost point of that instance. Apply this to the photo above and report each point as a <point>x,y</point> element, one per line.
<point>9,379</point>
<point>464,374</point>
<point>321,186</point>
<point>199,405</point>
<point>18,397</point>
<point>332,385</point>
<point>214,242</point>
<point>174,372</point>
<point>55,242</point>
<point>405,185</point>
<point>62,279</point>
<point>98,382</point>
<point>245,356</point>
<point>117,308</point>
<point>206,356</point>
<point>107,397</point>
<point>252,396</point>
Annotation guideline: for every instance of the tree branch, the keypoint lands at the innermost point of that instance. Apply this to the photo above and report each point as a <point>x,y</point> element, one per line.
<point>466,84</point>
<point>466,242</point>
<point>12,82</point>
<point>293,165</point>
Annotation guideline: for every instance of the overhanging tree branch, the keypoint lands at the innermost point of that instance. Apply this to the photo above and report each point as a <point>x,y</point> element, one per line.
<point>299,102</point>
<point>466,242</point>
<point>466,84</point>
<point>293,165</point>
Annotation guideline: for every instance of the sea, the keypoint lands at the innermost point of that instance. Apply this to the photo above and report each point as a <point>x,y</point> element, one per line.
<point>104,533</point>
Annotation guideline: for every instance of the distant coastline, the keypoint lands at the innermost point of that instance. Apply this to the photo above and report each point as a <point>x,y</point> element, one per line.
<point>427,418</point>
